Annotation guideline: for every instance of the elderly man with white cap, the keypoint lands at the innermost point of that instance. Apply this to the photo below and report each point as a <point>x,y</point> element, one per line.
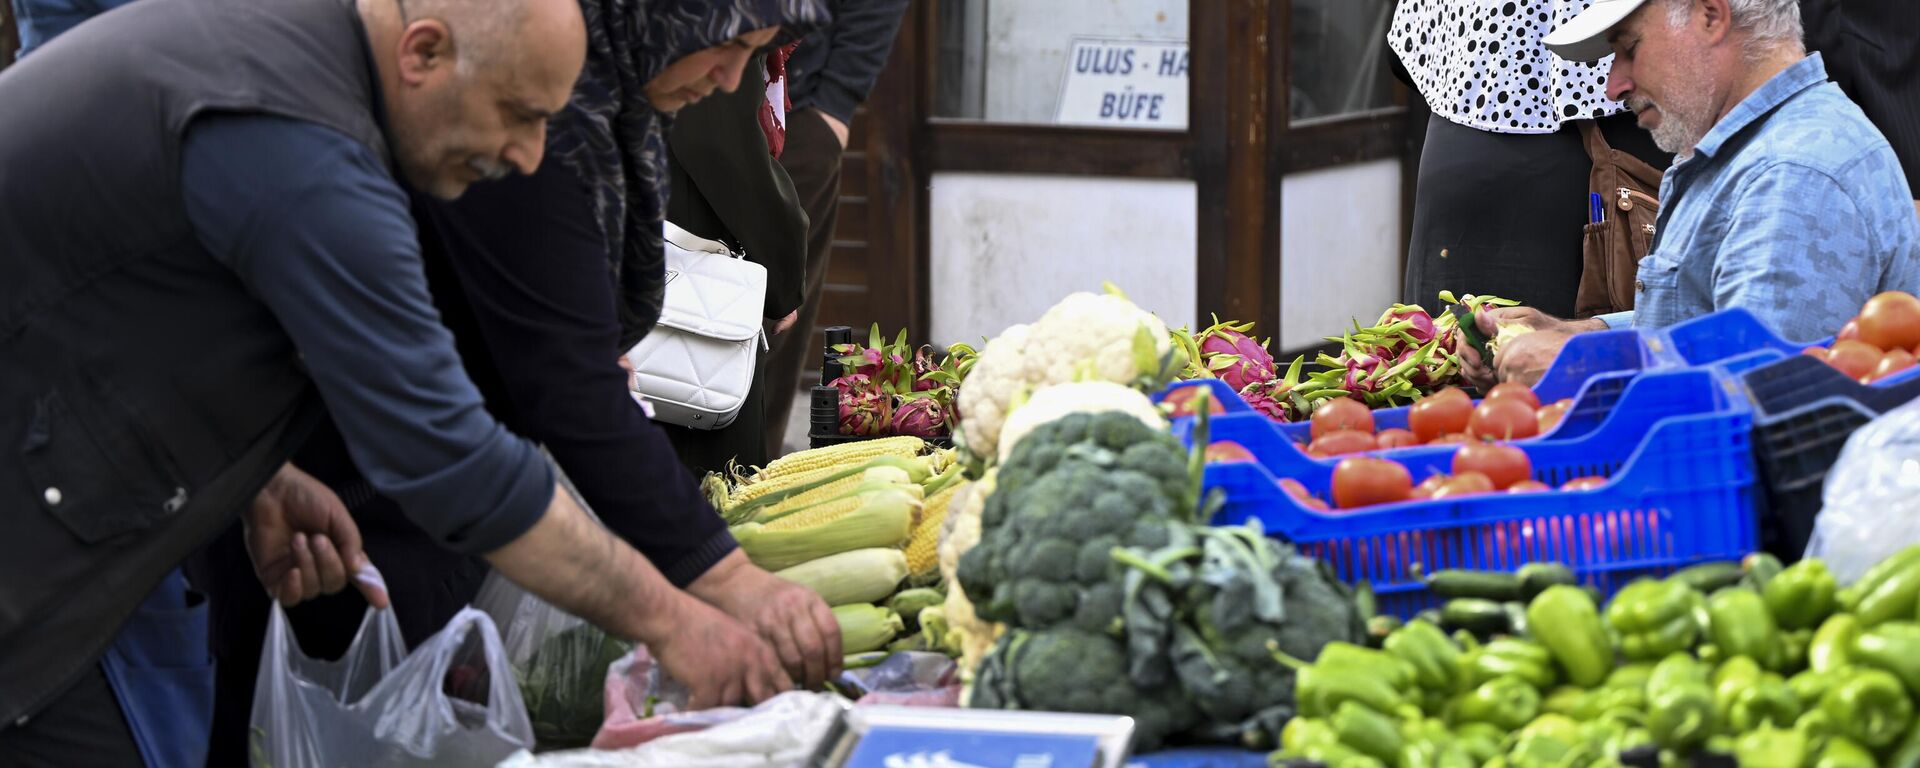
<point>1783,198</point>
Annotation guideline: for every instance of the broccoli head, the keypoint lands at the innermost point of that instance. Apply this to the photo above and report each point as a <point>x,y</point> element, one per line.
<point>1066,669</point>
<point>1074,490</point>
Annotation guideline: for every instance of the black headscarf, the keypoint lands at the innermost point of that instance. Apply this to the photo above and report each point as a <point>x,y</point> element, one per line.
<point>615,139</point>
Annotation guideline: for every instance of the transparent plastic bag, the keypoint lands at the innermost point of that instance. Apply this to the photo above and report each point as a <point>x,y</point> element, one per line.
<point>1871,502</point>
<point>559,662</point>
<point>378,707</point>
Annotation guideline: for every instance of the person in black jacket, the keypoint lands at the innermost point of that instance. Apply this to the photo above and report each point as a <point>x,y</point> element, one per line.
<point>828,77</point>
<point>727,186</point>
<point>1872,51</point>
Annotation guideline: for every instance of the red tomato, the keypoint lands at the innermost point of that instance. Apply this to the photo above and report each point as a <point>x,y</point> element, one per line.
<point>1529,486</point>
<point>1180,401</point>
<point>1503,465</point>
<point>1427,487</point>
<point>1342,442</point>
<point>1396,438</point>
<point>1514,390</point>
<point>1362,481</point>
<point>1464,484</point>
<point>1228,452</point>
<point>1891,320</point>
<point>1894,361</point>
<point>1583,483</point>
<point>1551,416</point>
<point>1294,488</point>
<point>1342,413</point>
<point>1854,358</point>
<point>1440,413</point>
<point>1453,438</point>
<point>1849,332</point>
<point>1507,419</point>
<point>1817,353</point>
<point>1315,504</point>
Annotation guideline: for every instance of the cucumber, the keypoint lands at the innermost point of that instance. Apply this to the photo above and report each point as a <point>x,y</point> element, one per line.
<point>1707,578</point>
<point>1483,618</point>
<point>1497,586</point>
<point>1536,577</point>
<point>1516,619</point>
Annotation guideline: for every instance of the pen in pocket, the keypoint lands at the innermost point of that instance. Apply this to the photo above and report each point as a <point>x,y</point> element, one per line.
<point>1596,208</point>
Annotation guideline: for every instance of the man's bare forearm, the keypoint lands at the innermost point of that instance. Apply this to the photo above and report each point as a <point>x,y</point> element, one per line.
<point>573,562</point>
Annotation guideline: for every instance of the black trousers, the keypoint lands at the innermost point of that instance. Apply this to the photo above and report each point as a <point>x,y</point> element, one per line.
<point>82,728</point>
<point>812,159</point>
<point>1501,213</point>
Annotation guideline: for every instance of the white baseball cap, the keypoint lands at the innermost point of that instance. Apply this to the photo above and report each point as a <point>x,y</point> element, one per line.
<point>1585,37</point>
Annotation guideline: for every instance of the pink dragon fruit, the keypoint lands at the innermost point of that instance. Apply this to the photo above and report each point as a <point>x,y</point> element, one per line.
<point>920,417</point>
<point>1234,356</point>
<point>1422,329</point>
<point>864,409</point>
<point>1270,398</point>
<point>923,364</point>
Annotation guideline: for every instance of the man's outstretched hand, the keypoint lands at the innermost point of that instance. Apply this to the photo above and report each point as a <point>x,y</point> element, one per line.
<point>304,544</point>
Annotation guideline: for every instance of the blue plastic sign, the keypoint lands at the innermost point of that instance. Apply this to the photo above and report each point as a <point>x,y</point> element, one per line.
<point>896,747</point>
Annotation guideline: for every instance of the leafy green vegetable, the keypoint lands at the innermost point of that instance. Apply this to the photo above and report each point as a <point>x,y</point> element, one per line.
<point>564,684</point>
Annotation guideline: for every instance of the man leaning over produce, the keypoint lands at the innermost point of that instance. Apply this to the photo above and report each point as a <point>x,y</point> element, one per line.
<point>204,243</point>
<point>1784,199</point>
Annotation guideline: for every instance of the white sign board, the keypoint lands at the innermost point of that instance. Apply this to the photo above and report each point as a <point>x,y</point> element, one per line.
<point>1124,84</point>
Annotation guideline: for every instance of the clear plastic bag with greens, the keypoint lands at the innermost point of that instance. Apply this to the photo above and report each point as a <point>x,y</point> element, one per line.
<point>559,661</point>
<point>379,707</point>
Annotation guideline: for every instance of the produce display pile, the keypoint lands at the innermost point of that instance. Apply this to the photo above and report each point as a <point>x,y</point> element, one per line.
<point>1364,481</point>
<point>1773,667</point>
<point>1882,341</point>
<point>893,389</point>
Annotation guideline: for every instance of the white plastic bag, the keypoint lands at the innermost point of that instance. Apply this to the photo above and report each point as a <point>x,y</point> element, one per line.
<point>373,708</point>
<point>1871,503</point>
<point>779,733</point>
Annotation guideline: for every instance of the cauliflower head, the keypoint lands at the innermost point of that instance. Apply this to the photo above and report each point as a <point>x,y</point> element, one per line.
<point>1085,332</point>
<point>959,533</point>
<point>1060,400</point>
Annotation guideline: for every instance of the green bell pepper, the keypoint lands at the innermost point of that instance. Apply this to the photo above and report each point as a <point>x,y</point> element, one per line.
<point>1566,700</point>
<point>1508,702</point>
<point>1769,701</point>
<point>1844,753</point>
<point>1851,597</point>
<point>1368,731</point>
<point>1680,703</point>
<point>1434,658</point>
<point>1802,596</point>
<point>1832,646</point>
<point>1741,625</point>
<point>1869,706</point>
<point>1893,647</point>
<point>1566,621</point>
<point>1547,741</point>
<point>1817,727</point>
<point>1481,741</point>
<point>1810,686</point>
<point>1381,664</point>
<point>1793,650</point>
<point>1628,703</point>
<point>1319,690</point>
<point>1625,739</point>
<point>1771,748</point>
<point>1334,755</point>
<point>1654,618</point>
<point>1733,675</point>
<point>1759,569</point>
<point>1892,599</point>
<point>1302,732</point>
<point>1506,656</point>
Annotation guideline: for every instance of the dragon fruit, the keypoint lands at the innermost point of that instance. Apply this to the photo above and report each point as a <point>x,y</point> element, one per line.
<point>1419,325</point>
<point>1233,356</point>
<point>923,417</point>
<point>923,364</point>
<point>1270,398</point>
<point>865,409</point>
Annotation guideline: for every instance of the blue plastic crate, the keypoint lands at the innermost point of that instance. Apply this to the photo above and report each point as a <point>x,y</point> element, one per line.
<point>1584,358</point>
<point>1621,406</point>
<point>1722,337</point>
<point>1681,491</point>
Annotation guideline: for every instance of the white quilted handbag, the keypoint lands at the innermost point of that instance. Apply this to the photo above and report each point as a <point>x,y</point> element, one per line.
<point>697,364</point>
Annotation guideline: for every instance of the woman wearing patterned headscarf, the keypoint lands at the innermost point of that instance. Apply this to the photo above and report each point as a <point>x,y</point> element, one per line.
<point>544,280</point>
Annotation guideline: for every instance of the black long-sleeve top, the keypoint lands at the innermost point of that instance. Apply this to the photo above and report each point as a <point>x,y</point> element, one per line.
<point>834,68</point>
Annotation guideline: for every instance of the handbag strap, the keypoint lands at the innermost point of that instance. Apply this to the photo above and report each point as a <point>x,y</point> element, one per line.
<point>1602,154</point>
